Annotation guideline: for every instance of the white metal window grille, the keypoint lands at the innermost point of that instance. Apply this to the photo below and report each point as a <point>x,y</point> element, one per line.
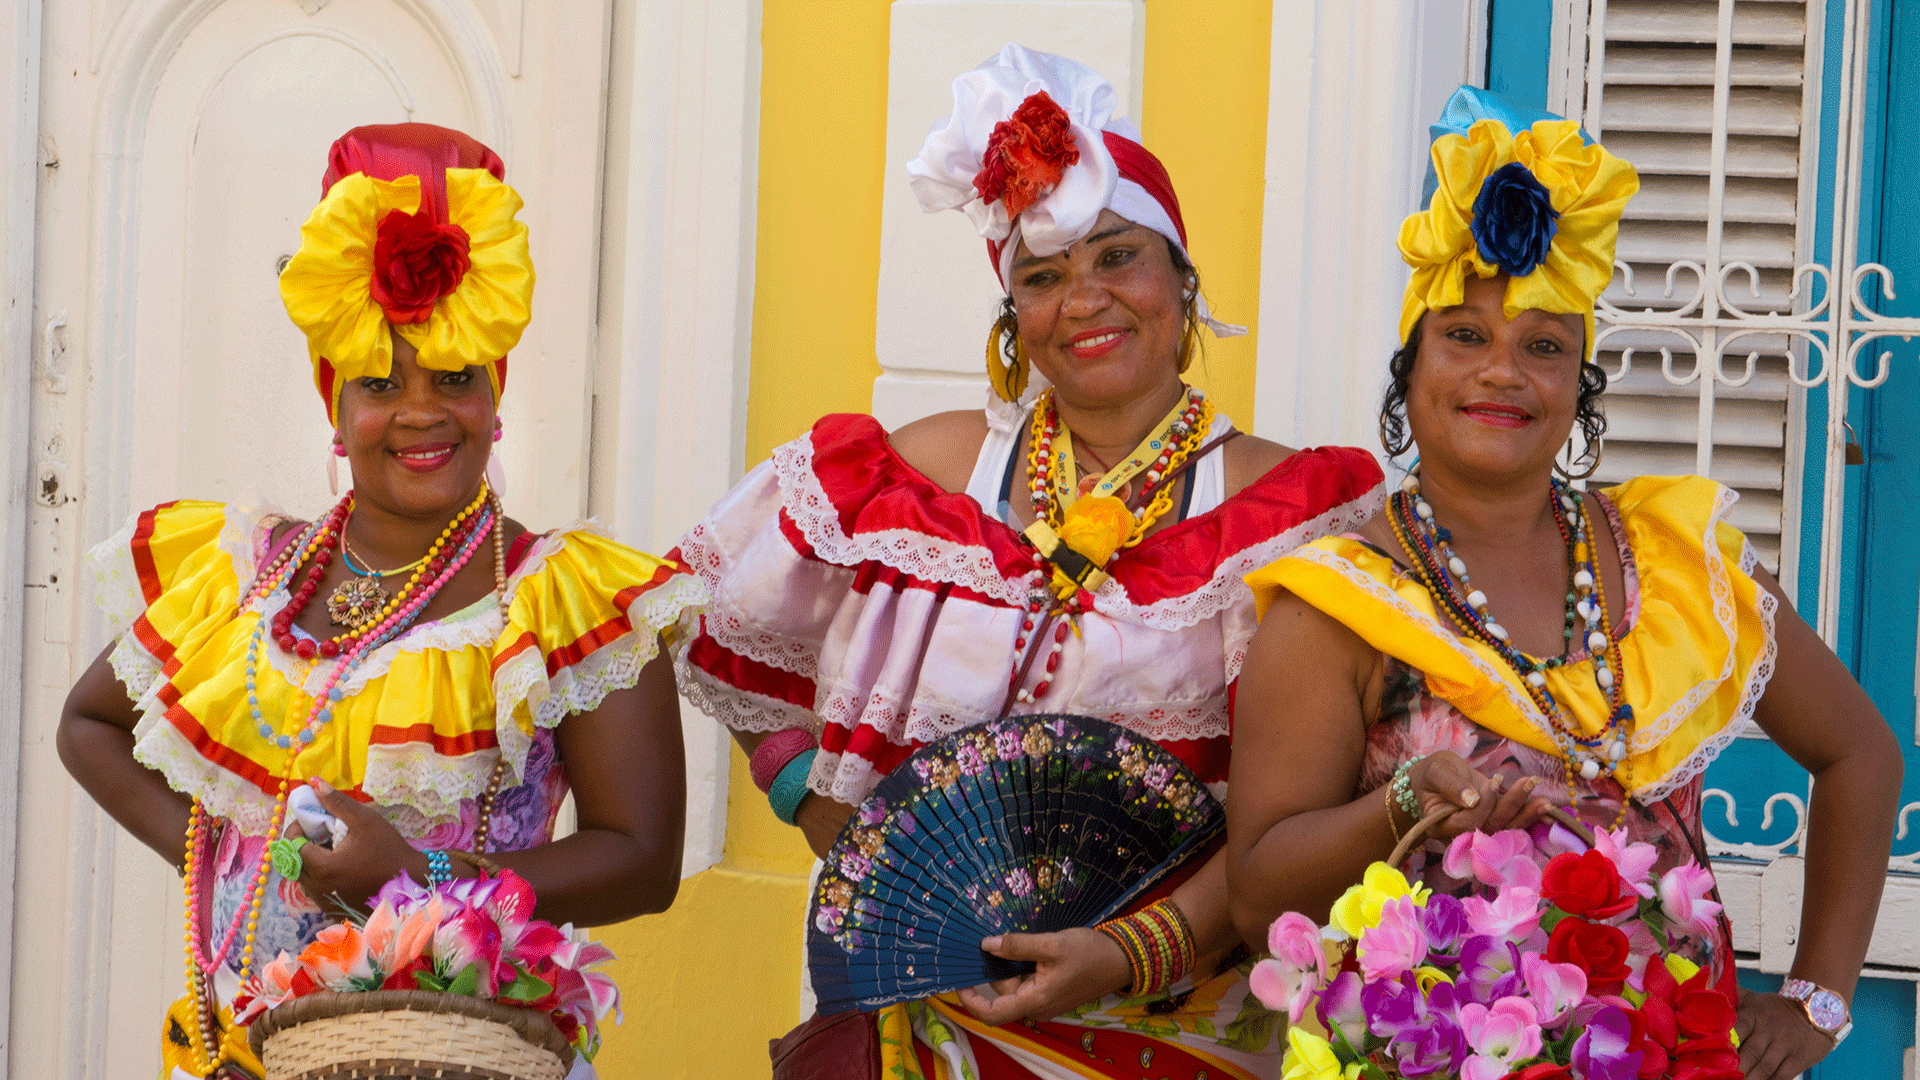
<point>1719,321</point>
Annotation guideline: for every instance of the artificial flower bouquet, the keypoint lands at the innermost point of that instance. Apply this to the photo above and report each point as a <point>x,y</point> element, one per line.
<point>475,937</point>
<point>1559,965</point>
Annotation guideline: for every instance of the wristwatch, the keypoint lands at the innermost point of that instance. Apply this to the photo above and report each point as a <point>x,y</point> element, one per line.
<point>1824,1008</point>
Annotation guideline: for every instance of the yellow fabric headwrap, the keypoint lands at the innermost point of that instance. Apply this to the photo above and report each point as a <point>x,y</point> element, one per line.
<point>327,287</point>
<point>1589,188</point>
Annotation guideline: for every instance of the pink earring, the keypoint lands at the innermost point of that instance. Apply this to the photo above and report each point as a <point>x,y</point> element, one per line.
<point>333,466</point>
<point>499,431</point>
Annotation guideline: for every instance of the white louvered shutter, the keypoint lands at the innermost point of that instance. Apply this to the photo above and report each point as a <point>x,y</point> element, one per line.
<point>1655,107</point>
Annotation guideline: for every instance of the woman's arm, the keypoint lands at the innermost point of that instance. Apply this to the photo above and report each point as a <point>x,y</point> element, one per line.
<point>1296,835</point>
<point>1817,713</point>
<point>628,773</point>
<point>95,740</point>
<point>819,818</point>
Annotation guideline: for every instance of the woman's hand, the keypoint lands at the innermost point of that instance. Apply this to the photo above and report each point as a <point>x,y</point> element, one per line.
<point>1486,803</point>
<point>1075,966</point>
<point>373,852</point>
<point>1777,1041</point>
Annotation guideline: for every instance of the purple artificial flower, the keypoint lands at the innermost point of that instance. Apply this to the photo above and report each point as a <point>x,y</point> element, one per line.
<point>1445,919</point>
<point>1340,1010</point>
<point>1489,970</point>
<point>1438,1049</point>
<point>1393,1006</point>
<point>1601,1051</point>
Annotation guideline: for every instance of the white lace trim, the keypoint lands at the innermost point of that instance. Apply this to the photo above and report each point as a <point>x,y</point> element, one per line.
<point>1229,586</point>
<point>135,667</point>
<point>1720,588</point>
<point>160,747</point>
<point>116,581</point>
<point>734,707</point>
<point>929,558</point>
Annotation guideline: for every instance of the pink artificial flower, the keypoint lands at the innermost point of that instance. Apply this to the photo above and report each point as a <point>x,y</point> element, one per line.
<point>1287,981</point>
<point>1514,914</point>
<point>1501,860</point>
<point>1683,897</point>
<point>337,956</point>
<point>267,990</point>
<point>1396,944</point>
<point>1633,860</point>
<point>1502,1035</point>
<point>1554,989</point>
<point>469,938</point>
<point>1295,940</point>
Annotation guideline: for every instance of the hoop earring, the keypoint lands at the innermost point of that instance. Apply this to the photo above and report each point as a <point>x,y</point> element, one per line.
<point>1009,379</point>
<point>335,452</point>
<point>1595,451</point>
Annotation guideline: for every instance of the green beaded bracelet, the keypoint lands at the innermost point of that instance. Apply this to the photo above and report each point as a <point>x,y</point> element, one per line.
<point>1401,787</point>
<point>790,787</point>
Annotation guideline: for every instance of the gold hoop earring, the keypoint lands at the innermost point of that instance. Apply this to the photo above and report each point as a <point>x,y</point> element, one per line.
<point>1009,379</point>
<point>1595,450</point>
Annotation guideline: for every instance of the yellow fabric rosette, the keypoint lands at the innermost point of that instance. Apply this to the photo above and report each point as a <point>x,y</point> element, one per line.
<point>1096,527</point>
<point>327,287</point>
<point>1589,188</point>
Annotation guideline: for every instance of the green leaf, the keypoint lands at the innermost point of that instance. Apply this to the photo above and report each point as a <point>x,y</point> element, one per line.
<point>1551,918</point>
<point>466,982</point>
<point>525,987</point>
<point>427,980</point>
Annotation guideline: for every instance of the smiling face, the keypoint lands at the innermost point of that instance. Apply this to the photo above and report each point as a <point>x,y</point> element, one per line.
<point>1493,397</point>
<point>418,439</point>
<point>1103,319</point>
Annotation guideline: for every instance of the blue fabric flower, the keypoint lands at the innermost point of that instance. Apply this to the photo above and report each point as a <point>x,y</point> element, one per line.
<point>1514,220</point>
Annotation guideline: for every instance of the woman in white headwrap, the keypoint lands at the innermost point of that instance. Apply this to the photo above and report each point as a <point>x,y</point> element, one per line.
<point>1076,547</point>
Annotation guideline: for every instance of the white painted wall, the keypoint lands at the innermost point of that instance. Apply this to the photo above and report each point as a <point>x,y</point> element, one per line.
<point>1352,88</point>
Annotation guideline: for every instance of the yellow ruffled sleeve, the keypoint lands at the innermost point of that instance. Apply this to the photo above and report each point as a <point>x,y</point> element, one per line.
<point>586,616</point>
<point>1696,659</point>
<point>167,583</point>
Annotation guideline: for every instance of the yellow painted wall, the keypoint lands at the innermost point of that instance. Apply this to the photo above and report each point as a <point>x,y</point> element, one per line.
<point>709,982</point>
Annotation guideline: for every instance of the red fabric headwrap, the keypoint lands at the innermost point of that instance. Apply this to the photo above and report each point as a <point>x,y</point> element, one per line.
<point>391,151</point>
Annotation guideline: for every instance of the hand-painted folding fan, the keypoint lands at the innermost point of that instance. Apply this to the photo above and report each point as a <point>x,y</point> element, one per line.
<point>1026,824</point>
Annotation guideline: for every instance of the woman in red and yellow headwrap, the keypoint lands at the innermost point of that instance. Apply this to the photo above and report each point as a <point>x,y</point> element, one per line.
<point>440,676</point>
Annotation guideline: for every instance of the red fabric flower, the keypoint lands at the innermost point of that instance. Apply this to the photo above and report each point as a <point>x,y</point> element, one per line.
<point>1545,1070</point>
<point>1595,948</point>
<point>1586,884</point>
<point>1026,154</point>
<point>1709,1058</point>
<point>416,261</point>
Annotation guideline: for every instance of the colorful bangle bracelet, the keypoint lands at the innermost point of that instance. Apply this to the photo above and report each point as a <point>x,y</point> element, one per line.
<point>1159,945</point>
<point>790,787</point>
<point>439,868</point>
<point>776,752</point>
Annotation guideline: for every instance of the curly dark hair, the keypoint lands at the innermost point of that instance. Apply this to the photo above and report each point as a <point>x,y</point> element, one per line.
<point>1008,321</point>
<point>1588,410</point>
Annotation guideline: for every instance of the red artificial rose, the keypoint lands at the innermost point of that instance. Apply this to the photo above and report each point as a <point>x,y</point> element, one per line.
<point>1586,884</point>
<point>1595,948</point>
<point>1710,1058</point>
<point>1545,1070</point>
<point>415,263</point>
<point>402,978</point>
<point>1026,154</point>
<point>1702,1011</point>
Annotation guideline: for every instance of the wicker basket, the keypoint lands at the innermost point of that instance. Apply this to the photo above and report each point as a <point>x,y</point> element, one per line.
<point>1418,834</point>
<point>408,1035</point>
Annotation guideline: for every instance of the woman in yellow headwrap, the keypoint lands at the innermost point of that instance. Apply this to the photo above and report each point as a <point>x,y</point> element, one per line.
<point>438,674</point>
<point>1499,641</point>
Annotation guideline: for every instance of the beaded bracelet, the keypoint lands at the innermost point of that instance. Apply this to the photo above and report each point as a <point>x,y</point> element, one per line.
<point>439,868</point>
<point>776,752</point>
<point>1158,943</point>
<point>1401,786</point>
<point>790,787</point>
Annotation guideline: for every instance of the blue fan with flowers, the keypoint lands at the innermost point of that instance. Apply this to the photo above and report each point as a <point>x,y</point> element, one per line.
<point>1026,824</point>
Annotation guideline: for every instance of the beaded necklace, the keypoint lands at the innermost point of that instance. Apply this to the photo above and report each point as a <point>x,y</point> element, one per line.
<point>1054,485</point>
<point>465,534</point>
<point>1445,576</point>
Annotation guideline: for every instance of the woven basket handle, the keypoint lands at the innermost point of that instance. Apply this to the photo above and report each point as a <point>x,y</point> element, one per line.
<point>1418,834</point>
